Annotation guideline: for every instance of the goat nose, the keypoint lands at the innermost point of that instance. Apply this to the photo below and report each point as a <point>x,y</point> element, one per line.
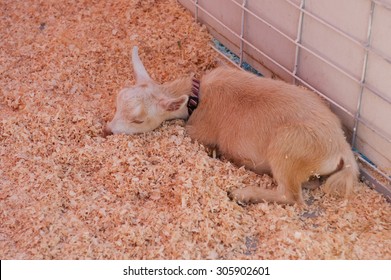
<point>107,131</point>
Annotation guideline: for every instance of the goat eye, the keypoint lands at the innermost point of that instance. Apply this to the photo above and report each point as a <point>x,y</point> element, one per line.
<point>137,121</point>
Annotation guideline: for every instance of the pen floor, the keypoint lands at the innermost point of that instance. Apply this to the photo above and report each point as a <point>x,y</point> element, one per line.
<point>68,193</point>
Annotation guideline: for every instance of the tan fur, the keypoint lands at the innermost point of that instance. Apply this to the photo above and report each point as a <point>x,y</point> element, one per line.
<point>266,125</point>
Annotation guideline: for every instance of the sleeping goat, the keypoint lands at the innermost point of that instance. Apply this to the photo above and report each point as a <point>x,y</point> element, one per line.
<point>266,125</point>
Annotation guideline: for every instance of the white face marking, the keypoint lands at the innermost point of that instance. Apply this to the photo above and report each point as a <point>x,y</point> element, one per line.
<point>140,108</point>
<point>136,111</point>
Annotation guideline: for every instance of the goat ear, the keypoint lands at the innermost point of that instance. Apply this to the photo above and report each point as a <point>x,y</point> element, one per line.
<point>173,104</point>
<point>139,69</point>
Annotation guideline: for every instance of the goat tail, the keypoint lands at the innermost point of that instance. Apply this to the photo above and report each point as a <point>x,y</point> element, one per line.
<point>344,180</point>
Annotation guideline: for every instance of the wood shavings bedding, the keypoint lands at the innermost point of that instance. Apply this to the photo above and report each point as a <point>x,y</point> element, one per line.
<point>68,193</point>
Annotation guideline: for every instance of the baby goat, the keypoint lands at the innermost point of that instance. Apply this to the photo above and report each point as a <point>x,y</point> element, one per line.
<point>266,125</point>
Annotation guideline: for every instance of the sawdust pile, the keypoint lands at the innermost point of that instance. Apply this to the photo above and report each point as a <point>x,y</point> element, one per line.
<point>68,193</point>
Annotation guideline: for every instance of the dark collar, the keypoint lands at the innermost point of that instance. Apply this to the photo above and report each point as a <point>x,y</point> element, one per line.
<point>193,101</point>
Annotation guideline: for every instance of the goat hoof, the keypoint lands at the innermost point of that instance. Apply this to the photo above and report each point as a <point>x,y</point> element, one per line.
<point>234,197</point>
